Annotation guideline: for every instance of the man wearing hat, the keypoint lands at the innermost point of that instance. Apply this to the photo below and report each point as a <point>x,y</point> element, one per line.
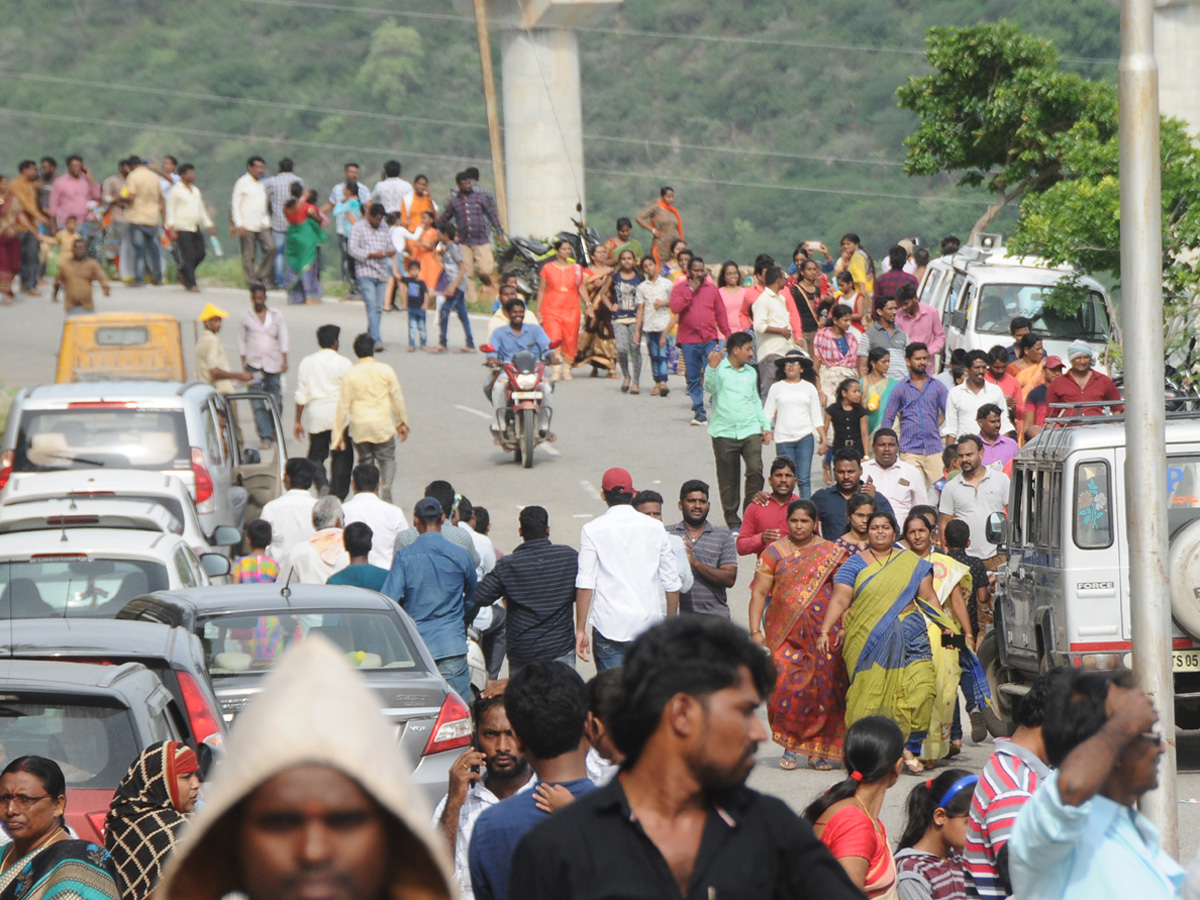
<point>624,558</point>
<point>212,365</point>
<point>434,580</point>
<point>1033,416</point>
<point>1082,385</point>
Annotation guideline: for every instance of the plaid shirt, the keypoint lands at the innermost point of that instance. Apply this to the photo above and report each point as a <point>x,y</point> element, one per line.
<point>825,349</point>
<point>889,282</point>
<point>279,192</point>
<point>254,570</point>
<point>366,239</point>
<point>475,216</point>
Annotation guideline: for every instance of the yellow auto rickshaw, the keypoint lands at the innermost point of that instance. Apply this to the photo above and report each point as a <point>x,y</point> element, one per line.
<point>121,347</point>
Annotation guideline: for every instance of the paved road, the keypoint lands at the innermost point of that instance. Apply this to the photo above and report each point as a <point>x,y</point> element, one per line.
<point>598,427</point>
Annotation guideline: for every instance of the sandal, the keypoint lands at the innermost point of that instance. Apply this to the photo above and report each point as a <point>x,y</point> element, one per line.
<point>955,749</point>
<point>665,390</point>
<point>625,386</point>
<point>635,390</point>
<point>912,764</point>
<point>787,762</point>
<point>819,765</point>
<point>654,391</point>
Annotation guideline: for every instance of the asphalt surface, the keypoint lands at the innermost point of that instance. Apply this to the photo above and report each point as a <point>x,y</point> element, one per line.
<point>597,427</point>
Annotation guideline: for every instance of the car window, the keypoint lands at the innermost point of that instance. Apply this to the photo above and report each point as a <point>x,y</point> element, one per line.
<point>1093,506</point>
<point>93,742</point>
<point>214,438</point>
<point>75,586</point>
<point>964,297</point>
<point>235,645</point>
<point>1183,491</point>
<point>184,570</point>
<point>92,436</point>
<point>999,304</point>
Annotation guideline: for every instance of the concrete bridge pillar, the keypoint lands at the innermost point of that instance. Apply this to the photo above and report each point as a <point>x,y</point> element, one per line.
<point>1176,37</point>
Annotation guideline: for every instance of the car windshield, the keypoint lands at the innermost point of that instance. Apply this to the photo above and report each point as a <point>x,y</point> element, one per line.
<point>999,304</point>
<point>75,586</point>
<point>92,742</point>
<point>95,437</point>
<point>241,644</point>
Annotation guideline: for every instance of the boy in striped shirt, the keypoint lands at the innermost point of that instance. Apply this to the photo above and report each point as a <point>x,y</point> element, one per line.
<point>1008,780</point>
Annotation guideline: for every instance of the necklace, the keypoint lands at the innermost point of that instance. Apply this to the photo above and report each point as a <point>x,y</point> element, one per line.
<point>875,556</point>
<point>812,539</point>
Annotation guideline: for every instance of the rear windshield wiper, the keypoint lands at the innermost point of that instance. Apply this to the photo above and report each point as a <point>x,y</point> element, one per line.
<point>79,459</point>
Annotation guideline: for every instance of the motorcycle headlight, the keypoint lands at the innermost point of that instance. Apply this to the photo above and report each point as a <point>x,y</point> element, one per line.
<point>527,382</point>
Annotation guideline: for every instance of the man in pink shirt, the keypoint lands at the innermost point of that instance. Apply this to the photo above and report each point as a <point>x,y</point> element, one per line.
<point>702,321</point>
<point>765,519</point>
<point>997,374</point>
<point>919,321</point>
<point>263,343</point>
<point>70,193</point>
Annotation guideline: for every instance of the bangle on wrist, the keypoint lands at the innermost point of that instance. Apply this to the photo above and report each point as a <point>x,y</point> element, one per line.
<point>756,631</point>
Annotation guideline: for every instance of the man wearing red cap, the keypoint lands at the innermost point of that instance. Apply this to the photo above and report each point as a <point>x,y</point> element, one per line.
<point>624,558</point>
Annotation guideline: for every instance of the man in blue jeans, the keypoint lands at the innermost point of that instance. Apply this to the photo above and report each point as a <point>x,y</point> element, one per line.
<point>455,294</point>
<point>435,581</point>
<point>371,247</point>
<point>702,321</point>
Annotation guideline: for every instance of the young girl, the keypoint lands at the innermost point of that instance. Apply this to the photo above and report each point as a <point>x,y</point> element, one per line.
<point>877,387</point>
<point>849,419</point>
<point>729,283</point>
<point>928,863</point>
<point>625,327</point>
<point>854,299</point>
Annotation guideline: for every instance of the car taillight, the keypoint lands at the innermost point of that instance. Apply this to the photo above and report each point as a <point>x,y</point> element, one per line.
<point>97,821</point>
<point>200,713</point>
<point>6,464</point>
<point>452,728</point>
<point>204,482</point>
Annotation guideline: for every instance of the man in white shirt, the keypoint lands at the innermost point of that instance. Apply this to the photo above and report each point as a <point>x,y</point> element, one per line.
<point>186,221</point>
<point>250,223</point>
<point>324,554</point>
<point>464,518</point>
<point>650,503</point>
<point>974,495</point>
<point>963,400</point>
<point>624,558</point>
<point>393,192</point>
<point>772,328</point>
<point>902,483</point>
<point>386,521</point>
<point>290,514</point>
<point>318,386</point>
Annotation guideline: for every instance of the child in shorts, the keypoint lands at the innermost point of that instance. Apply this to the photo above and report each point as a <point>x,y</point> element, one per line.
<point>417,303</point>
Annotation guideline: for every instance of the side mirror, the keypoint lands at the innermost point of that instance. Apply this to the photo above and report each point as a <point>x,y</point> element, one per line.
<point>958,320</point>
<point>995,528</point>
<point>215,565</point>
<point>225,536</point>
<point>487,348</point>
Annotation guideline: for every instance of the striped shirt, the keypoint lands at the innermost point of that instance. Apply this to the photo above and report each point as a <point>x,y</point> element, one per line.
<point>366,239</point>
<point>254,570</point>
<point>279,192</point>
<point>1008,779</point>
<point>920,411</point>
<point>716,547</point>
<point>923,876</point>
<point>538,578</point>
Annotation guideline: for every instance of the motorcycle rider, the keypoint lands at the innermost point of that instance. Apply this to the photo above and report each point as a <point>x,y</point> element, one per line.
<point>506,342</point>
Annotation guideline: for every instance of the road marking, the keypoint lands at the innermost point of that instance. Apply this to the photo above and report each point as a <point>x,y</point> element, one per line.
<point>583,516</point>
<point>551,451</point>
<point>474,412</point>
<point>589,489</point>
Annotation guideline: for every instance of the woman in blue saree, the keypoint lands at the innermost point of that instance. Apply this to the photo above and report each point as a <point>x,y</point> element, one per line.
<point>887,597</point>
<point>44,862</point>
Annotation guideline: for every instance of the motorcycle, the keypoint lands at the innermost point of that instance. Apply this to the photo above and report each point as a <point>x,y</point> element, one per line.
<point>524,257</point>
<point>527,384</point>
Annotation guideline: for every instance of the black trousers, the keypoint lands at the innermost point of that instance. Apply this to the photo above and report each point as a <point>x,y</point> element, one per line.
<point>191,254</point>
<point>341,464</point>
<point>730,455</point>
<point>30,246</point>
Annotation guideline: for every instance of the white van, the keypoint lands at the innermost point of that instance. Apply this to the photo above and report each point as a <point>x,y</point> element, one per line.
<point>979,292</point>
<point>1063,596</point>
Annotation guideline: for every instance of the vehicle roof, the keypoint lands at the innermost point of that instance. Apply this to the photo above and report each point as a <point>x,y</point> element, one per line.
<point>114,507</point>
<point>121,318</point>
<point>249,597</point>
<point>996,267</point>
<point>82,678</point>
<point>68,481</point>
<point>116,636</point>
<point>1057,442</point>
<point>109,542</point>
<point>112,390</point>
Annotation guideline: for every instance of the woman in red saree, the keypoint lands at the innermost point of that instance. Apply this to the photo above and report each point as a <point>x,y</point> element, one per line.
<point>793,582</point>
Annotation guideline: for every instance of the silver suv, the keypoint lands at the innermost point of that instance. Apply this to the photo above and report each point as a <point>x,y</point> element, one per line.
<point>206,439</point>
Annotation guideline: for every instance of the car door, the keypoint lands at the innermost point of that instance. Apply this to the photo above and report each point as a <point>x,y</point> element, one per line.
<point>260,461</point>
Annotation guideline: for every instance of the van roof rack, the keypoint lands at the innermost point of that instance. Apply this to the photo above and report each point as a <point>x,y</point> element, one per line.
<point>1058,429</point>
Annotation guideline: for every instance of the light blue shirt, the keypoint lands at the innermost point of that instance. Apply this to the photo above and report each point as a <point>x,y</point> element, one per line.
<point>507,342</point>
<point>1094,851</point>
<point>341,206</point>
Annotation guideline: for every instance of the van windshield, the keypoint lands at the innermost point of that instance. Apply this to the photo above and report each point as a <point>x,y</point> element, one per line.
<point>97,437</point>
<point>999,304</point>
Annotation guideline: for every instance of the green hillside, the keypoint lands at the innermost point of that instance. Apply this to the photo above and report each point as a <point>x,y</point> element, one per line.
<point>774,120</point>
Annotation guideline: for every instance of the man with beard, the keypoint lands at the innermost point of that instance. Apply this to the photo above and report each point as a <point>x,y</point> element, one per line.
<point>711,552</point>
<point>920,403</point>
<point>831,501</point>
<point>973,496</point>
<point>678,816</point>
<point>505,772</point>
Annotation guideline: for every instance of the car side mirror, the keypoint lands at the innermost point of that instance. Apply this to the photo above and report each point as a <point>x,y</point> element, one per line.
<point>958,319</point>
<point>215,565</point>
<point>225,536</point>
<point>487,348</point>
<point>995,528</point>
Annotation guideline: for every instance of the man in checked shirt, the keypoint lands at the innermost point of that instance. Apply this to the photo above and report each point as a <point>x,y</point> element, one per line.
<point>474,213</point>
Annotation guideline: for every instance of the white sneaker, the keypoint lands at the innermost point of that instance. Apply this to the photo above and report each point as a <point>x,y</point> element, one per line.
<point>696,421</point>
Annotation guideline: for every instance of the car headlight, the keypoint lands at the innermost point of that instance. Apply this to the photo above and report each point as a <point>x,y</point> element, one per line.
<point>527,382</point>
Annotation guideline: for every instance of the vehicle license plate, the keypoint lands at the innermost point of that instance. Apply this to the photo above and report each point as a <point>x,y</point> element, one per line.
<point>1186,660</point>
<point>527,395</point>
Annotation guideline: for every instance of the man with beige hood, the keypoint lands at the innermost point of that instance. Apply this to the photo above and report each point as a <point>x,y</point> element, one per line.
<point>312,800</point>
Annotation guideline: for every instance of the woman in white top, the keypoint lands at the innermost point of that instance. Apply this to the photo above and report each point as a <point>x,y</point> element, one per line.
<point>793,408</point>
<point>654,321</point>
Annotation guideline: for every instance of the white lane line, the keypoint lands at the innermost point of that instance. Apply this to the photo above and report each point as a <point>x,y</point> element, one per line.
<point>583,516</point>
<point>474,412</point>
<point>590,489</point>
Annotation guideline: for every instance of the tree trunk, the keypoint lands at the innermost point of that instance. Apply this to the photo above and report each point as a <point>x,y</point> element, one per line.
<point>992,211</point>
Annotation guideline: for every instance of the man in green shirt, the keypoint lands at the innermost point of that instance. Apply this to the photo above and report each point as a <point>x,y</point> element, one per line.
<point>738,426</point>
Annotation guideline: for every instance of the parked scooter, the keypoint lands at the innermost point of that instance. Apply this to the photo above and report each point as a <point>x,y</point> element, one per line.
<point>519,427</point>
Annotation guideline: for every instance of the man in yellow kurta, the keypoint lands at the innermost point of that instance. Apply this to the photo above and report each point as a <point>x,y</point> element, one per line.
<point>372,401</point>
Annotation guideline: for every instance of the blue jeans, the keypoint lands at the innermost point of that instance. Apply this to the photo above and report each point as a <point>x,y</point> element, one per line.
<point>800,453</point>
<point>281,274</point>
<point>458,676</point>
<point>145,253</point>
<point>416,327</point>
<point>372,294</point>
<point>456,302</point>
<point>695,359</point>
<point>658,357</point>
<point>264,422</point>
<point>608,654</point>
